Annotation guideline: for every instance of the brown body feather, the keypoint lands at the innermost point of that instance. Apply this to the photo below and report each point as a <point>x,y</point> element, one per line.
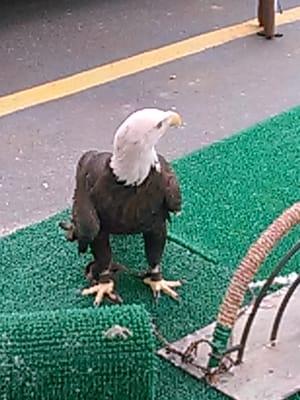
<point>104,206</point>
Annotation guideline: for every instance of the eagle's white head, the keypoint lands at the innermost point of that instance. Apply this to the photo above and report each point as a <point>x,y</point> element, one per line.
<point>134,143</point>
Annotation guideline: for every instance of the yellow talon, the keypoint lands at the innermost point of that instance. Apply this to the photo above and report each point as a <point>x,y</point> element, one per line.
<point>163,286</point>
<point>101,290</point>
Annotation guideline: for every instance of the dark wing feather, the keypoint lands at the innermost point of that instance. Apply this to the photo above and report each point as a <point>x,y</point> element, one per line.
<point>172,190</point>
<point>85,218</point>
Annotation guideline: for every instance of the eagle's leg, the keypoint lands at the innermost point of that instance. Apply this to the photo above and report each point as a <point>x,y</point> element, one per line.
<point>89,270</point>
<point>101,271</point>
<point>154,247</point>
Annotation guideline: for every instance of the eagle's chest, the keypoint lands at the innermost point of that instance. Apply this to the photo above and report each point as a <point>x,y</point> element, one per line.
<point>133,209</point>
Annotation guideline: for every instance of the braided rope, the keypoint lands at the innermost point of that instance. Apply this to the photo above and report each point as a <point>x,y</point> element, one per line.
<point>250,264</point>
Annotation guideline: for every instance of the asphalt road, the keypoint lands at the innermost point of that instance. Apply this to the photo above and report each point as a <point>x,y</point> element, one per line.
<point>218,91</point>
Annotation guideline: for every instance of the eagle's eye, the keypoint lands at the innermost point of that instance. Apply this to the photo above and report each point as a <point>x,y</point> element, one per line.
<point>159,125</point>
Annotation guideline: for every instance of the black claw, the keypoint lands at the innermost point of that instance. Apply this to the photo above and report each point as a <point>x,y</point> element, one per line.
<point>177,298</point>
<point>65,225</point>
<point>69,229</point>
<point>78,292</point>
<point>117,300</point>
<point>156,297</point>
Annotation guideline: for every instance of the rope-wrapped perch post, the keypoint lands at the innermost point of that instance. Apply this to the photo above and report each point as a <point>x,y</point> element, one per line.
<point>243,276</point>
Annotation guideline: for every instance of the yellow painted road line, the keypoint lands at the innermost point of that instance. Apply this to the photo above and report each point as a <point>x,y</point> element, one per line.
<point>109,72</point>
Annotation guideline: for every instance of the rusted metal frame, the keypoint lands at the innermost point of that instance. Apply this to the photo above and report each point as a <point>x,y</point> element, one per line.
<point>281,310</point>
<point>260,297</point>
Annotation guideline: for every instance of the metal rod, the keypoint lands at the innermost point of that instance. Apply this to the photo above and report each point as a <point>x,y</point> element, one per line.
<point>260,297</point>
<point>282,308</point>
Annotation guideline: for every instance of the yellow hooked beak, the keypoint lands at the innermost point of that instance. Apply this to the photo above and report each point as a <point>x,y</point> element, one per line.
<point>175,120</point>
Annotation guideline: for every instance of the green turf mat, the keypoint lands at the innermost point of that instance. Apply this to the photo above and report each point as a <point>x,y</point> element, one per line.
<point>233,189</point>
<point>66,355</point>
<point>42,272</point>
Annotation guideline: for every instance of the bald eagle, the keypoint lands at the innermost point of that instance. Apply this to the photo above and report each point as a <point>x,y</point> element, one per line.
<point>132,190</point>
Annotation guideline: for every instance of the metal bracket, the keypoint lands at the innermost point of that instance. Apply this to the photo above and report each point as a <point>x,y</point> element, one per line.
<point>269,371</point>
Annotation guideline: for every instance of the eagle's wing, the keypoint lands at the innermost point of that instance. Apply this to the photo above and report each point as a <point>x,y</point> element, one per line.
<point>84,214</point>
<point>171,187</point>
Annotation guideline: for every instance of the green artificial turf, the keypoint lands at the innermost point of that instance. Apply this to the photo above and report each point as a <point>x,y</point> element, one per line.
<point>235,188</point>
<point>42,272</point>
<point>66,355</point>
<point>231,190</point>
